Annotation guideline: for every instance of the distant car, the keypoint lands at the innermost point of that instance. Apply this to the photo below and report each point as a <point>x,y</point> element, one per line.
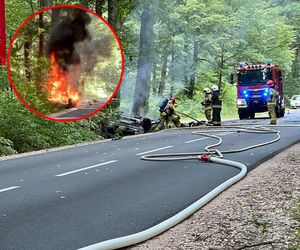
<point>295,101</point>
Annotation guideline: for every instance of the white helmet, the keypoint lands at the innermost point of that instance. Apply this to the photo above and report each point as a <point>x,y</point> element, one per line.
<point>206,90</point>
<point>214,88</point>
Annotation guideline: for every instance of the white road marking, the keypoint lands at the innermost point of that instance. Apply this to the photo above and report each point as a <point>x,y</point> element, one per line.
<point>83,169</point>
<point>9,188</point>
<point>204,138</point>
<point>199,139</point>
<point>157,149</point>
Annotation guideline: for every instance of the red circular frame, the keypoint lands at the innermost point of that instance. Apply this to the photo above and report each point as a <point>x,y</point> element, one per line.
<point>9,55</point>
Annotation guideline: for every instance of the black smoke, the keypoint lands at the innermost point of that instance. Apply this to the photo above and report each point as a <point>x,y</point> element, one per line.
<point>70,28</point>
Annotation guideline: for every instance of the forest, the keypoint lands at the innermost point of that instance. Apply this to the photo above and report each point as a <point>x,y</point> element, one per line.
<point>171,48</point>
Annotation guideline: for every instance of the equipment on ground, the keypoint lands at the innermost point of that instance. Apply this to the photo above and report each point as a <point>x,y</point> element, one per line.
<point>192,124</point>
<point>253,89</point>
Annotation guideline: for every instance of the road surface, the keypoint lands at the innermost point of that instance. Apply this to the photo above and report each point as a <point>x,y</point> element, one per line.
<point>71,198</point>
<point>76,113</point>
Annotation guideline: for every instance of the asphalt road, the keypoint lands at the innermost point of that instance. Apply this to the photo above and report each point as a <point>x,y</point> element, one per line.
<point>87,108</point>
<point>79,196</point>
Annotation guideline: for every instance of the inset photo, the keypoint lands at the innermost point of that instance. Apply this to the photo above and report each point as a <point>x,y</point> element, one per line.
<point>65,63</point>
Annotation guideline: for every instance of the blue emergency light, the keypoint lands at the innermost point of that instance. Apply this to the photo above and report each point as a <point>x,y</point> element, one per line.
<point>245,93</point>
<point>266,92</point>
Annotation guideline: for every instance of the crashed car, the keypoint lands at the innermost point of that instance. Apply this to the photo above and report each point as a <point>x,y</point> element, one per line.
<point>126,125</point>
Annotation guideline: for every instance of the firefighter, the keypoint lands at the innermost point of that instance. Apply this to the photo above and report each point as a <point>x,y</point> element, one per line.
<point>207,104</point>
<point>168,114</point>
<point>272,102</point>
<point>216,104</point>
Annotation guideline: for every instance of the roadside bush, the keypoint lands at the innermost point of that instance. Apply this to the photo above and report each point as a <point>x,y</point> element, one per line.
<point>6,147</point>
<point>29,132</point>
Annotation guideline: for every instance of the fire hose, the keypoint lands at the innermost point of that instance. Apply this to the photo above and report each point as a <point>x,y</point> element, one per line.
<point>200,122</point>
<point>211,154</point>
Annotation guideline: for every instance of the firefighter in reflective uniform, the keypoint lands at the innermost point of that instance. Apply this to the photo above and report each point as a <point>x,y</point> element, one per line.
<point>216,104</point>
<point>207,104</point>
<point>169,114</point>
<point>272,102</point>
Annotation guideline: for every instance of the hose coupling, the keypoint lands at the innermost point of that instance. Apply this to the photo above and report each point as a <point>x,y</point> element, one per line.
<point>204,157</point>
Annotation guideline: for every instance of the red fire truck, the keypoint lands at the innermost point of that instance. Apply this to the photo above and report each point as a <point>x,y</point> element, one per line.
<point>2,33</point>
<point>253,91</point>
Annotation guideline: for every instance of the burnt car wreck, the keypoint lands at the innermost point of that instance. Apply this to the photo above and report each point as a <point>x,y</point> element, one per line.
<point>126,125</point>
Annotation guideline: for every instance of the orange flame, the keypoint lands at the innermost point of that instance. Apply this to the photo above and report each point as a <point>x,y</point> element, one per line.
<point>59,88</point>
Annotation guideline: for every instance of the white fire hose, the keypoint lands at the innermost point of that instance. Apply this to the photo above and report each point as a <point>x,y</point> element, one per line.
<point>211,155</point>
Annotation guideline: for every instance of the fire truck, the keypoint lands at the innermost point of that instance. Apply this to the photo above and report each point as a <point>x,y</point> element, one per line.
<point>2,33</point>
<point>253,91</point>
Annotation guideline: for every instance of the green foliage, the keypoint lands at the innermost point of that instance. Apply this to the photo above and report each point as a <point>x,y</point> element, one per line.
<point>4,83</point>
<point>29,132</point>
<point>16,12</point>
<point>229,108</point>
<point>99,122</point>
<point>228,32</point>
<point>6,147</point>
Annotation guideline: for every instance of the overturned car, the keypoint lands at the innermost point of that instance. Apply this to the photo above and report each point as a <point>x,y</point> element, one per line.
<point>127,125</point>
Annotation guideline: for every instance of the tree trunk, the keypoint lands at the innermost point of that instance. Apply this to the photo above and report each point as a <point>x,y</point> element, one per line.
<point>221,67</point>
<point>163,73</point>
<point>41,36</point>
<point>40,52</point>
<point>27,63</point>
<point>99,6</point>
<point>154,79</point>
<point>186,63</point>
<point>111,13</point>
<point>111,9</point>
<point>43,4</point>
<point>172,73</point>
<point>191,87</point>
<point>144,64</point>
<point>296,66</point>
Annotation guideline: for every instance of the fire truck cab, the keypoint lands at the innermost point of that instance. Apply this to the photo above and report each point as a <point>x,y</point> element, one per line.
<point>253,91</point>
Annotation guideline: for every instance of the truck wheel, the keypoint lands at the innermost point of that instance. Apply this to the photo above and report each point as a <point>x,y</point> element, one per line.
<point>242,115</point>
<point>277,111</point>
<point>252,115</point>
<point>282,111</point>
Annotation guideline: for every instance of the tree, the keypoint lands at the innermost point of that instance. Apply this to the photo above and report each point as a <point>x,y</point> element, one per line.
<point>141,91</point>
<point>99,7</point>
<point>41,46</point>
<point>163,72</point>
<point>191,87</point>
